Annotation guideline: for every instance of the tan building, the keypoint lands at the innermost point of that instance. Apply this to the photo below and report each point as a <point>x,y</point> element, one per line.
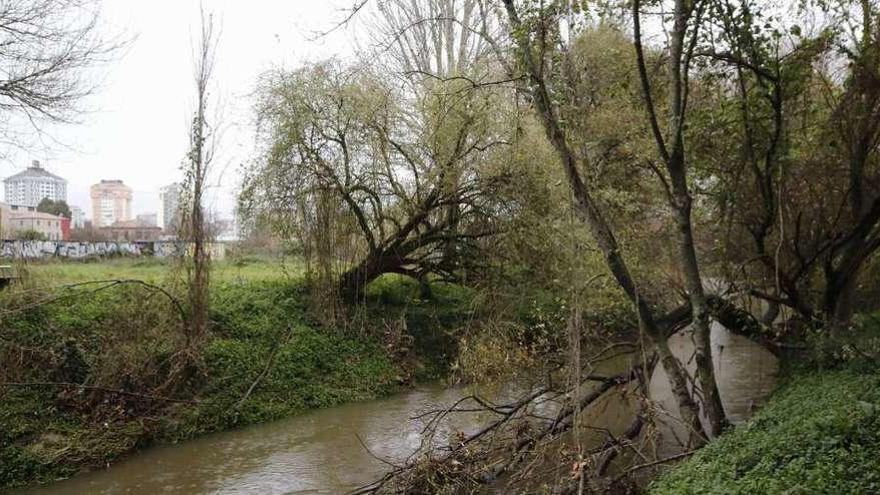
<point>15,220</point>
<point>111,203</point>
<point>131,230</point>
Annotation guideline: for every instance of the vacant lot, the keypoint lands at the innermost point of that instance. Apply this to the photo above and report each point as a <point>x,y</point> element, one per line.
<point>155,270</point>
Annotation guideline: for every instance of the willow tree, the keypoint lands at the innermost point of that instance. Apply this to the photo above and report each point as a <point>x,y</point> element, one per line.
<point>379,171</point>
<point>436,38</point>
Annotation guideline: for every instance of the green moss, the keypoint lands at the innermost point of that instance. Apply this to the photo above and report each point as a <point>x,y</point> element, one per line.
<point>819,433</point>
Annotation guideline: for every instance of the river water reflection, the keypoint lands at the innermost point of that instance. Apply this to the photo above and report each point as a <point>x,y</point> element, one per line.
<point>746,373</point>
<point>314,453</point>
<point>320,452</point>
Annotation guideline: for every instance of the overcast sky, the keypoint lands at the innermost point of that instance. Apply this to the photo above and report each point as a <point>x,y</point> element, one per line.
<point>137,127</point>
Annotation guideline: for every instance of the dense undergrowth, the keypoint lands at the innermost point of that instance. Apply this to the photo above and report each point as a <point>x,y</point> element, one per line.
<point>819,432</point>
<point>93,372</point>
<point>266,358</point>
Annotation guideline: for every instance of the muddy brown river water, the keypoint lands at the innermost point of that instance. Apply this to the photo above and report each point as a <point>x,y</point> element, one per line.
<point>321,452</point>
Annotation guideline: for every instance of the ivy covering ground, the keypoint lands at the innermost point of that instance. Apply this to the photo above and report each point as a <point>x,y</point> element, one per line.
<point>819,433</point>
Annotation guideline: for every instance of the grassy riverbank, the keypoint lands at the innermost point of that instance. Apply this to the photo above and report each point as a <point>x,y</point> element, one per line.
<point>266,358</point>
<point>819,433</point>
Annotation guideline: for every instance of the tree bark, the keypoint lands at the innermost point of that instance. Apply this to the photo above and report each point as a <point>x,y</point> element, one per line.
<point>712,406</point>
<point>353,282</point>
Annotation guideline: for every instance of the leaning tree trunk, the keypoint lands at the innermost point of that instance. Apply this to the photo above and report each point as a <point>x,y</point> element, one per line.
<point>841,280</point>
<point>354,281</point>
<point>845,304</point>
<point>678,193</point>
<point>711,399</point>
<point>687,407</point>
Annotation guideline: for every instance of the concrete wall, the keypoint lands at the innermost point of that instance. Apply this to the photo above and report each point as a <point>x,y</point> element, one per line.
<point>81,250</point>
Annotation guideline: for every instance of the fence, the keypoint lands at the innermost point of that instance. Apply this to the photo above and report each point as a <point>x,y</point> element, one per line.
<point>80,250</point>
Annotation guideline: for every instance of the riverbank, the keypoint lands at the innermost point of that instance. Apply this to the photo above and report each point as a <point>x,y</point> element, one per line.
<point>818,433</point>
<point>92,373</point>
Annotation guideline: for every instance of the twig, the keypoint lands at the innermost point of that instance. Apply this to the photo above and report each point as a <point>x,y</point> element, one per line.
<point>654,463</point>
<point>97,389</point>
<point>373,455</point>
<point>107,284</point>
<point>266,369</point>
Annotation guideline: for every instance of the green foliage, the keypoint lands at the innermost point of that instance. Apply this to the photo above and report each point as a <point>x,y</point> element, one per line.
<point>42,441</point>
<point>855,346</point>
<point>58,208</point>
<point>312,370</point>
<point>21,417</point>
<point>31,235</point>
<point>311,367</point>
<point>819,433</point>
<point>426,328</point>
<point>124,336</point>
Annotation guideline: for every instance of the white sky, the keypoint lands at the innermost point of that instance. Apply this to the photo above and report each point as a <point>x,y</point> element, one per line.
<point>137,127</point>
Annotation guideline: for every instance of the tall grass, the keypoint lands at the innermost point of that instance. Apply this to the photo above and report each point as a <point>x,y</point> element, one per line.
<point>156,270</point>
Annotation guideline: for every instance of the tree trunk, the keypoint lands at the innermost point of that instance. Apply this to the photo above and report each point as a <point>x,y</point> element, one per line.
<point>712,406</point>
<point>353,282</point>
<point>677,376</point>
<point>845,305</point>
<point>840,292</point>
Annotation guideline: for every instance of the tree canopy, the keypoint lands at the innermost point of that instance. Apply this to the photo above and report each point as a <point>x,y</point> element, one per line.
<point>58,208</point>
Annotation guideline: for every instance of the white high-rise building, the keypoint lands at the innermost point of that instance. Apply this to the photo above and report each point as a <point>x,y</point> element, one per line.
<point>29,187</point>
<point>77,217</point>
<point>169,210</point>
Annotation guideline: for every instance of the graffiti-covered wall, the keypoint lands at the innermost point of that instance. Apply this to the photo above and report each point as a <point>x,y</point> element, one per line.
<point>80,250</point>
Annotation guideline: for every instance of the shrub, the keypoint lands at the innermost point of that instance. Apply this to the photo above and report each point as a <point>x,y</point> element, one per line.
<point>122,337</point>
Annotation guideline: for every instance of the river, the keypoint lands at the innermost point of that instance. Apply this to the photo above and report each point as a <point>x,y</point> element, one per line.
<point>322,451</point>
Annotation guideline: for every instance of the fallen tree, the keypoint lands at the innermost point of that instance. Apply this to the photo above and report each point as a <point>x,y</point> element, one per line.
<point>493,456</point>
<point>502,454</point>
<point>372,181</point>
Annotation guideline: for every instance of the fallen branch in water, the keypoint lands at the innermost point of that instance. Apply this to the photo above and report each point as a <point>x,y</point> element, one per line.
<point>373,455</point>
<point>473,467</point>
<point>564,419</point>
<point>654,463</point>
<point>378,484</point>
<point>603,455</point>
